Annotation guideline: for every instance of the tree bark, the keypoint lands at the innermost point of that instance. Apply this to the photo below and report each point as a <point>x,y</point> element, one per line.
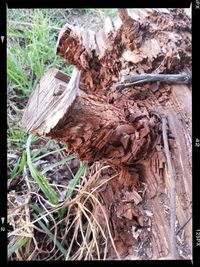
<point>97,122</point>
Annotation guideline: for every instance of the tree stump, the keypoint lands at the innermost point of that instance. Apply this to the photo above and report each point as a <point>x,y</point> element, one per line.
<point>92,119</point>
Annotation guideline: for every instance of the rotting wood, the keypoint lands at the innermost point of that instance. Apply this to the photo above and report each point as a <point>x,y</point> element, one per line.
<point>86,123</point>
<point>158,43</point>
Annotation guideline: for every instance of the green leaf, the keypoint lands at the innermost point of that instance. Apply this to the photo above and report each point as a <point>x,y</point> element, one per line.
<point>17,246</point>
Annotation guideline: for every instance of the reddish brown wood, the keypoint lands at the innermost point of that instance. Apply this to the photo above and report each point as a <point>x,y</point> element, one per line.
<point>125,130</point>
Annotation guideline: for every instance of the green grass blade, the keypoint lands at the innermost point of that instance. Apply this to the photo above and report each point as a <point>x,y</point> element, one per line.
<point>17,246</point>
<point>15,170</point>
<point>76,178</point>
<point>39,178</point>
<point>48,232</point>
<point>73,184</point>
<point>19,166</point>
<point>49,168</point>
<point>37,208</point>
<point>36,158</point>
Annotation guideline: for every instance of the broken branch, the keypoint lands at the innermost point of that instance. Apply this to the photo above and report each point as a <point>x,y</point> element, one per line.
<point>137,79</point>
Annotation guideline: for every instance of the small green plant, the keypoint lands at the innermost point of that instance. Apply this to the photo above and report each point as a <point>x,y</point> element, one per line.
<point>22,242</point>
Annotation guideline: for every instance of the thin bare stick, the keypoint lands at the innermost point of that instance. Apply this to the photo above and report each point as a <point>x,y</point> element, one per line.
<point>131,80</point>
<point>181,227</point>
<point>173,190</point>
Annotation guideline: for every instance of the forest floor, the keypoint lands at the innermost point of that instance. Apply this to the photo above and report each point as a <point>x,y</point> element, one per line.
<point>53,198</point>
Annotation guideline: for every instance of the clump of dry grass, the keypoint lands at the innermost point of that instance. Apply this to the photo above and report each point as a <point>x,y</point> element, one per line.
<point>40,233</point>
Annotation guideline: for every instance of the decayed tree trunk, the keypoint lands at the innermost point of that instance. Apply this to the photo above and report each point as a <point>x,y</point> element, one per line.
<point>86,123</point>
<point>97,122</point>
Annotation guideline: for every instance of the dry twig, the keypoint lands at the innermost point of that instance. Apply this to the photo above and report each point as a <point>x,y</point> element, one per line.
<point>131,80</point>
<point>173,189</point>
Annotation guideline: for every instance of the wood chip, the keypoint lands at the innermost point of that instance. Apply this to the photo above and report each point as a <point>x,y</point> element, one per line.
<point>133,196</point>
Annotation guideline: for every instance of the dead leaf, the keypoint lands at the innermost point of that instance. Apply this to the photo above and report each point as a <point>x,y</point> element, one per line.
<point>99,215</point>
<point>133,196</point>
<point>128,214</point>
<point>125,211</point>
<point>121,247</point>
